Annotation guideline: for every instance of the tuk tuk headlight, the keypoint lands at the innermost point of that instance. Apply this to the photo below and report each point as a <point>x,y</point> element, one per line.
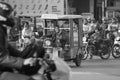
<point>47,42</point>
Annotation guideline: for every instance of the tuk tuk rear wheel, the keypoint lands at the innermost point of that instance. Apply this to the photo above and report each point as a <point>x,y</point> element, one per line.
<point>78,59</point>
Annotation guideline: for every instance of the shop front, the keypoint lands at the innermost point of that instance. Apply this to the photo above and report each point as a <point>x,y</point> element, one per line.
<point>112,12</point>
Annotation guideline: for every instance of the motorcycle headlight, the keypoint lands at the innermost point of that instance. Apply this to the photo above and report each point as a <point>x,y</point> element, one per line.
<point>117,39</point>
<point>119,31</point>
<point>48,42</point>
<point>49,51</point>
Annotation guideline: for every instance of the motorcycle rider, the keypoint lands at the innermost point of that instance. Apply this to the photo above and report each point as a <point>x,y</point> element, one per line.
<point>39,32</point>
<point>104,26</point>
<point>8,59</point>
<point>85,30</point>
<point>97,36</point>
<point>113,27</point>
<point>96,39</point>
<point>85,26</point>
<point>92,26</point>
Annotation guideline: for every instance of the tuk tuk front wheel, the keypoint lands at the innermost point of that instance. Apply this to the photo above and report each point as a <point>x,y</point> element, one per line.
<point>78,59</point>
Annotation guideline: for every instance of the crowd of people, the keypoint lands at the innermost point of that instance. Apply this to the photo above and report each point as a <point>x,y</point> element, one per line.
<point>11,58</point>
<point>101,30</point>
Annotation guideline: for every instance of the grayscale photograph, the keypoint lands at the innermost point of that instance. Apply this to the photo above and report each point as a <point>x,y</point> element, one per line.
<point>59,39</point>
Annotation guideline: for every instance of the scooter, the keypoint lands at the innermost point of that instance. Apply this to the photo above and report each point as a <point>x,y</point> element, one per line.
<point>116,48</point>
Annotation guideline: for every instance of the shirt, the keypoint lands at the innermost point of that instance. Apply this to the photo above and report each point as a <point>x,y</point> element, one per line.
<point>113,27</point>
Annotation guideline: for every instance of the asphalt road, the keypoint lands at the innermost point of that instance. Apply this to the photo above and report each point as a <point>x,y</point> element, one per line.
<point>97,69</point>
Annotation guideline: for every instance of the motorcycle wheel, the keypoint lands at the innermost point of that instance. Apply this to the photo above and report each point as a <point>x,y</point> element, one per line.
<point>85,54</point>
<point>78,59</point>
<point>105,54</point>
<point>91,50</point>
<point>116,51</point>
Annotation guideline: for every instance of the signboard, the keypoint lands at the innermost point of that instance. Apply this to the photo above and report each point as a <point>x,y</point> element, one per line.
<point>58,7</point>
<point>37,6</point>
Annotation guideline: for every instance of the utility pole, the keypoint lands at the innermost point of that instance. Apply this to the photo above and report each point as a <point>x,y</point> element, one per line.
<point>106,8</point>
<point>66,6</point>
<point>103,8</point>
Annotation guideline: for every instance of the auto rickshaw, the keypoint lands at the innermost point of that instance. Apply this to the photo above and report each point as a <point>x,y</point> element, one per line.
<point>75,37</point>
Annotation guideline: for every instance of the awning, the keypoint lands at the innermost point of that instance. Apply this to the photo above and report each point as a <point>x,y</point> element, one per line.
<point>52,16</point>
<point>113,8</point>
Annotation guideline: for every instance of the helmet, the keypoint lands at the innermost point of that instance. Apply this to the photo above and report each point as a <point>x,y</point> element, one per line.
<point>5,9</point>
<point>104,19</point>
<point>89,18</point>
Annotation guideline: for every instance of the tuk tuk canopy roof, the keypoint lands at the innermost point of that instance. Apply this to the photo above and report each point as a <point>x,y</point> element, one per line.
<point>30,15</point>
<point>52,16</point>
<point>55,16</point>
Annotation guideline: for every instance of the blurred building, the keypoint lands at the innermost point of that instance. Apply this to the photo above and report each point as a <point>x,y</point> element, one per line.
<point>96,8</point>
<point>49,6</point>
<point>106,8</point>
<point>37,6</point>
<point>99,8</point>
<point>113,8</point>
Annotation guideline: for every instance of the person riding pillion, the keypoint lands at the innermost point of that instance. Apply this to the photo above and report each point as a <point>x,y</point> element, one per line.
<point>114,26</point>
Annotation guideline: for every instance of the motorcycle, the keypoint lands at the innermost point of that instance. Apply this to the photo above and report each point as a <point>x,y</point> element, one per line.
<point>52,70</point>
<point>101,48</point>
<point>84,48</point>
<point>47,67</point>
<point>116,48</point>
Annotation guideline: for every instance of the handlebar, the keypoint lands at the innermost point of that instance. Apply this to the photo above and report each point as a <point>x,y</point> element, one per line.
<point>47,63</point>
